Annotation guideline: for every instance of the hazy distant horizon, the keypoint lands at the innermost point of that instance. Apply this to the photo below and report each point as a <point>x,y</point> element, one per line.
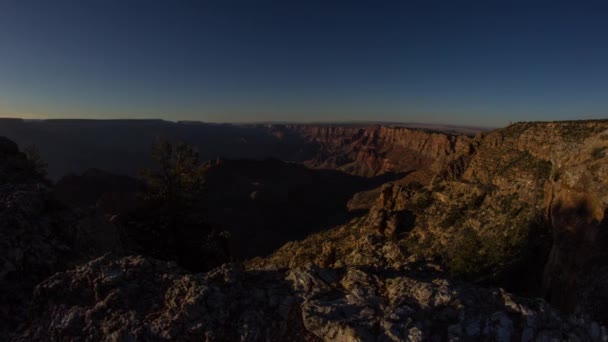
<point>431,119</point>
<point>296,122</point>
<point>261,122</point>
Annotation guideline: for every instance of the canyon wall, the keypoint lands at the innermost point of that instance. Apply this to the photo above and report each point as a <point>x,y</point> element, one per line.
<point>375,150</point>
<point>123,146</point>
<point>572,193</point>
<point>524,206</point>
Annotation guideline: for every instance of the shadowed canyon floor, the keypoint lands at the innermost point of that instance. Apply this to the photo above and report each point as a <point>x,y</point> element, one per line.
<point>371,233</point>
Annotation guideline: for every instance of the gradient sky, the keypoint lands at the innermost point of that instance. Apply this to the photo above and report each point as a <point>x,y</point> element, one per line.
<point>463,62</point>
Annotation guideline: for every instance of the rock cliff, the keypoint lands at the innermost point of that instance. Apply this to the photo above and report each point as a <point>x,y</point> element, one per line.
<point>438,255</point>
<point>525,209</point>
<point>564,175</point>
<point>375,150</point>
<point>38,235</point>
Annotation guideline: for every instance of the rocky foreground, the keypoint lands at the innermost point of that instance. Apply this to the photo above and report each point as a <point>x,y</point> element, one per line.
<point>518,210</point>
<point>136,298</point>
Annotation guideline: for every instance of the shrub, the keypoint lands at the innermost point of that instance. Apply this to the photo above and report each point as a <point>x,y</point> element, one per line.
<point>179,179</point>
<point>422,200</point>
<point>499,250</point>
<point>464,257</point>
<point>454,217</point>
<point>474,202</point>
<point>598,152</point>
<point>37,164</point>
<point>171,222</point>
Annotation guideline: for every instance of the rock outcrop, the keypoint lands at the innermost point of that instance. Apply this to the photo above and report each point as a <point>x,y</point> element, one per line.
<point>31,248</point>
<point>135,298</point>
<point>38,236</point>
<point>571,192</point>
<point>547,176</point>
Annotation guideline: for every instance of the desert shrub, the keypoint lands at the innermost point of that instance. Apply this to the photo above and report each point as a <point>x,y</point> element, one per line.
<point>416,186</point>
<point>454,217</point>
<point>507,203</point>
<point>496,251</point>
<point>439,187</point>
<point>575,131</point>
<point>598,152</point>
<point>420,244</point>
<point>463,255</point>
<point>17,167</point>
<point>475,201</point>
<point>471,255</point>
<point>422,200</point>
<point>37,164</point>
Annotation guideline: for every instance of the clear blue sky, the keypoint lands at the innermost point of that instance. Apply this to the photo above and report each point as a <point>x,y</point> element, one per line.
<point>464,62</point>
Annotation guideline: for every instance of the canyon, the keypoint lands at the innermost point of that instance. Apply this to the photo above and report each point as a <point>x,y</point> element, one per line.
<point>337,232</point>
<point>123,146</point>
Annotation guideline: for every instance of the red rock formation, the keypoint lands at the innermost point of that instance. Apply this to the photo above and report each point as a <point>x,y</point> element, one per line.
<point>375,150</point>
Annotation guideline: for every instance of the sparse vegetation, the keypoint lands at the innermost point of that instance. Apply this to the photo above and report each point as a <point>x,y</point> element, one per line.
<point>575,132</point>
<point>598,152</point>
<point>172,222</point>
<point>37,164</point>
<point>179,179</point>
<point>475,201</point>
<point>464,257</point>
<point>474,254</point>
<point>543,168</point>
<point>422,200</point>
<point>455,217</point>
<point>438,187</point>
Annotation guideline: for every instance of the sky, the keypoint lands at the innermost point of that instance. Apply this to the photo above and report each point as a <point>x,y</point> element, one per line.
<point>483,63</point>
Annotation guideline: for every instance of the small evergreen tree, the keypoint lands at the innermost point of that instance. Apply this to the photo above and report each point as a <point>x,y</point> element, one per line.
<point>37,164</point>
<point>179,180</point>
<point>172,222</point>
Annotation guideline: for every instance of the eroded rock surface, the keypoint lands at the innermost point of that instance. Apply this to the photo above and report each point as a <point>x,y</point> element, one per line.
<point>137,298</point>
<point>38,237</point>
